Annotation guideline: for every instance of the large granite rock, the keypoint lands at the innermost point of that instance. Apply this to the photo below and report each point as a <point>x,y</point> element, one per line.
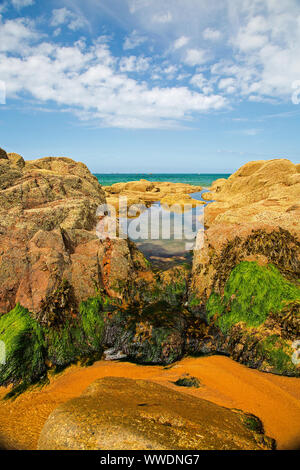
<point>48,234</point>
<point>249,267</point>
<point>125,414</point>
<point>265,192</point>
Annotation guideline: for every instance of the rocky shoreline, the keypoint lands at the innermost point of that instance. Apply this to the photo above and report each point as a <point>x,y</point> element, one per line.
<point>66,296</point>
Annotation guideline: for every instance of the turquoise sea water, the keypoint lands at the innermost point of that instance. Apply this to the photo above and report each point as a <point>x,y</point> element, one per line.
<point>204,179</point>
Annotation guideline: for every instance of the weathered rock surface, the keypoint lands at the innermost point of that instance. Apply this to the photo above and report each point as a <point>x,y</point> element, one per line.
<point>253,223</point>
<point>125,414</point>
<point>48,233</point>
<point>144,192</point>
<point>265,192</point>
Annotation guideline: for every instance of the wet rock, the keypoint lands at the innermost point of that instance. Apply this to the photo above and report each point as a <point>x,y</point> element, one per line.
<point>125,414</point>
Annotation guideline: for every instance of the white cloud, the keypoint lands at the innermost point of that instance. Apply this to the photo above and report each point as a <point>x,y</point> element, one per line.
<point>63,16</point>
<point>181,42</point>
<point>134,40</point>
<point>22,3</point>
<point>15,35</point>
<point>92,83</point>
<point>228,84</point>
<point>195,57</point>
<point>134,64</point>
<point>260,40</point>
<point>199,81</point>
<point>212,34</point>
<point>162,18</point>
<point>135,5</point>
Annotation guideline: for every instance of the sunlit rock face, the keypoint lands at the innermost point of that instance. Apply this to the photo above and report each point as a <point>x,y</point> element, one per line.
<point>48,233</point>
<point>248,270</point>
<point>126,414</point>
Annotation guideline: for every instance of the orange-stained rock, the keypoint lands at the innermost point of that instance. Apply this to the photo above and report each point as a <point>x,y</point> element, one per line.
<point>117,413</point>
<point>261,197</point>
<point>48,232</point>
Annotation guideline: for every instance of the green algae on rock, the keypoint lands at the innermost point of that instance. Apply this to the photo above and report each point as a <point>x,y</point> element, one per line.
<point>25,349</point>
<point>257,301</point>
<point>188,381</point>
<point>251,294</point>
<point>33,347</point>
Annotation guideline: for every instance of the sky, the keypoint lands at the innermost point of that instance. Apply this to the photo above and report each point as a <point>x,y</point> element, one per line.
<point>129,86</point>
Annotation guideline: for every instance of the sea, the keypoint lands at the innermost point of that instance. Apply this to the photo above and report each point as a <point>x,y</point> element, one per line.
<point>201,179</point>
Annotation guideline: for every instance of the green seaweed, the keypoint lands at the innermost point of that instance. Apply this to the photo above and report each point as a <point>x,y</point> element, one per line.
<point>32,348</point>
<point>25,349</point>
<point>192,382</point>
<point>278,354</point>
<point>251,293</point>
<point>253,423</point>
<point>78,337</point>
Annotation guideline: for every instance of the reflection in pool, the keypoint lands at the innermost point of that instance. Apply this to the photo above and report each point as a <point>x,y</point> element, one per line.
<point>165,237</point>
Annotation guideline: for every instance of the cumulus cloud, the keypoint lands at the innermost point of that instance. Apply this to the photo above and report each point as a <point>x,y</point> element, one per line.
<point>134,64</point>
<point>260,40</point>
<point>212,34</point>
<point>195,57</point>
<point>15,35</point>
<point>181,42</point>
<point>162,17</point>
<point>134,40</point>
<point>94,84</point>
<point>22,3</point>
<point>63,16</point>
<point>200,81</point>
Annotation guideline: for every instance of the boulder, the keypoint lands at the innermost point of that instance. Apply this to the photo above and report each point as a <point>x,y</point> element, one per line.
<point>16,160</point>
<point>144,193</point>
<point>259,192</point>
<point>248,269</point>
<point>48,234</point>
<point>124,414</point>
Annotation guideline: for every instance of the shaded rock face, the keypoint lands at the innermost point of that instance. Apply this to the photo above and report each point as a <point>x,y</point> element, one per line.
<point>65,295</point>
<point>125,414</point>
<point>157,334</point>
<point>3,154</point>
<point>47,233</point>
<point>245,280</point>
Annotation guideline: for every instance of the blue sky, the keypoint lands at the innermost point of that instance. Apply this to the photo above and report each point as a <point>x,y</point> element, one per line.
<point>151,85</point>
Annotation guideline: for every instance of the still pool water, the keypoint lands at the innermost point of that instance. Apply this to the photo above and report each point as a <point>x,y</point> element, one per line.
<point>166,238</point>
